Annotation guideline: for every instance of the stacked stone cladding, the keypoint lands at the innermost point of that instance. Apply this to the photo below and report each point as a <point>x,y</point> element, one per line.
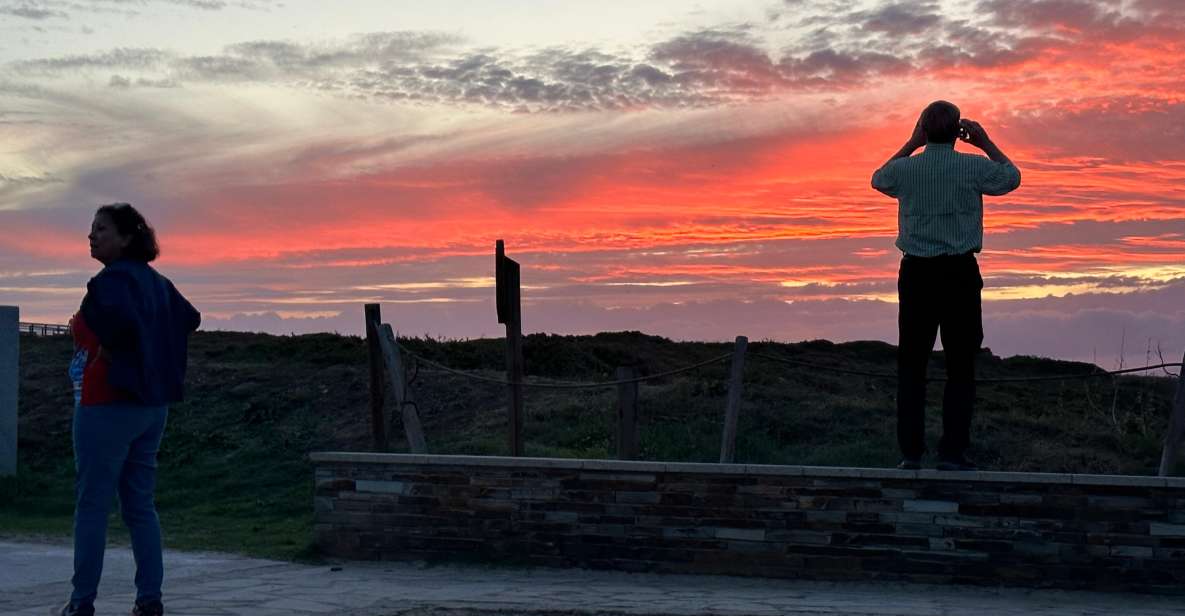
<point>1032,529</point>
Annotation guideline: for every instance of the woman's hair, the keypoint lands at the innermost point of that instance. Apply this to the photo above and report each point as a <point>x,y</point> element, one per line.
<point>130,223</point>
<point>940,122</point>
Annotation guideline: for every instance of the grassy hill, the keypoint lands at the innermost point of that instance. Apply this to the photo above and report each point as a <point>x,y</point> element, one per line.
<point>234,474</point>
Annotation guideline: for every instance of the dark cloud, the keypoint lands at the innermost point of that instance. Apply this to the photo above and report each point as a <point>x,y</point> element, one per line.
<point>1129,128</point>
<point>123,83</point>
<point>50,9</point>
<point>834,47</point>
<point>121,58</point>
<point>1070,14</point>
<point>902,19</point>
<point>31,10</point>
<point>703,68</point>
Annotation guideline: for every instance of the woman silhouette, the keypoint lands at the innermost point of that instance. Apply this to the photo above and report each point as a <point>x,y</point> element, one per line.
<point>130,335</point>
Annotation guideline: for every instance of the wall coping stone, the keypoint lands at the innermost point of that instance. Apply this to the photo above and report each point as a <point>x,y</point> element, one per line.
<point>746,469</point>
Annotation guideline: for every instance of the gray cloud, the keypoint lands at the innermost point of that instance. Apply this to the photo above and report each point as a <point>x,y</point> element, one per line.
<point>702,68</point>
<point>125,58</point>
<point>902,19</point>
<point>1133,128</point>
<point>28,180</point>
<point>30,10</point>
<point>834,48</point>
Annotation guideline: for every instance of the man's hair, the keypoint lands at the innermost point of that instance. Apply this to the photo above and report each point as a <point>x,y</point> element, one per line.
<point>940,122</point>
<point>130,223</point>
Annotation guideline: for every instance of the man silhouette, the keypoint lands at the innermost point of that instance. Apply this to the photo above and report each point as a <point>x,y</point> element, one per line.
<point>939,229</point>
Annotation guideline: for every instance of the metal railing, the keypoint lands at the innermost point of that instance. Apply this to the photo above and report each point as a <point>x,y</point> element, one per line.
<point>43,329</point>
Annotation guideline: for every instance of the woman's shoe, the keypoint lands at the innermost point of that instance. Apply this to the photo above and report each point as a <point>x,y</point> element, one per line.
<point>148,608</point>
<point>70,609</point>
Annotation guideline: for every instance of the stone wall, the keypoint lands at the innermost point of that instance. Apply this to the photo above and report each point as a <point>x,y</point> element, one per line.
<point>1033,529</point>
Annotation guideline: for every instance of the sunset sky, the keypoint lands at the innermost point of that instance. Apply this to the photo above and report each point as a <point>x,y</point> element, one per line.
<point>693,169</point>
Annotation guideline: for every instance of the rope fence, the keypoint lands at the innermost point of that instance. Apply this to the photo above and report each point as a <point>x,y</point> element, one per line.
<point>1012,379</point>
<point>626,437</point>
<point>563,384</point>
<point>783,360</point>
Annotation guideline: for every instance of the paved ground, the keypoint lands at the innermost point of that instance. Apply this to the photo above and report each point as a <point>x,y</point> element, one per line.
<point>35,577</point>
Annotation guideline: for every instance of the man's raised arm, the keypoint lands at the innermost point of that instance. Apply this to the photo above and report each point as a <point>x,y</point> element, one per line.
<point>882,179</point>
<point>1006,177</point>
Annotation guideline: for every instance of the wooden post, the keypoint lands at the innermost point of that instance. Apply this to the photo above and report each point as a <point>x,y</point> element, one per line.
<point>395,376</point>
<point>729,444</point>
<point>509,305</point>
<point>1176,430</point>
<point>10,359</point>
<point>378,427</point>
<point>626,440</point>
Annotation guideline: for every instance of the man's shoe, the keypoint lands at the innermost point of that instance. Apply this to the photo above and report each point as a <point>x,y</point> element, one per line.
<point>148,608</point>
<point>956,464</point>
<point>70,609</point>
<point>910,464</point>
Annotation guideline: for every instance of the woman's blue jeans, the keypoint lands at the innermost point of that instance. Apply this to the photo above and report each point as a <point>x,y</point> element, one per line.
<point>115,448</point>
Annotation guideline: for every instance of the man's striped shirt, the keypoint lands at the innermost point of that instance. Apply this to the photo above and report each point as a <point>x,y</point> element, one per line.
<point>940,198</point>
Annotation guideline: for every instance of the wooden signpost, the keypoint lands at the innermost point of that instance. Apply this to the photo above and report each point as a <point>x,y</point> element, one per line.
<point>510,313</point>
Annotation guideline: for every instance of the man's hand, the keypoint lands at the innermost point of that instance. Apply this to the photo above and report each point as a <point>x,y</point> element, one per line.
<point>971,132</point>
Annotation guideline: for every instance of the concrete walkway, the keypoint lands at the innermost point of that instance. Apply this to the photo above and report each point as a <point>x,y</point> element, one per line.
<point>35,577</point>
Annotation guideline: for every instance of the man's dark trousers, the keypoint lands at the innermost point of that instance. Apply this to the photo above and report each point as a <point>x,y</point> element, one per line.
<point>937,293</point>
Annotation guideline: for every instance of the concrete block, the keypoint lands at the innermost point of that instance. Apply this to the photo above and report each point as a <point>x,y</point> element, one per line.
<point>940,544</point>
<point>1020,499</point>
<point>1131,551</point>
<point>906,518</point>
<point>1009,477</point>
<point>835,471</point>
<point>774,469</point>
<point>637,498</point>
<point>1175,483</point>
<point>9,385</point>
<point>930,506</point>
<point>629,466</point>
<point>381,487</point>
<point>1157,529</point>
<point>1118,480</point>
<point>704,468</point>
<point>919,530</point>
<point>622,477</point>
<point>741,534</point>
<point>886,473</point>
<point>960,521</point>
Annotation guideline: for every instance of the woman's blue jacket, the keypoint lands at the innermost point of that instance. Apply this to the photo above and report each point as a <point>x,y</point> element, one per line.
<point>143,324</point>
